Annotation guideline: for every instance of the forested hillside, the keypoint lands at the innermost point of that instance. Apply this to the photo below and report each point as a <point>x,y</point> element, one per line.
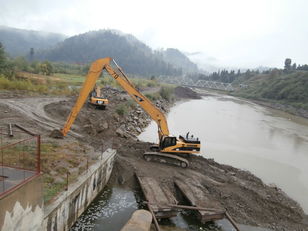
<point>19,42</point>
<point>134,56</point>
<point>279,86</point>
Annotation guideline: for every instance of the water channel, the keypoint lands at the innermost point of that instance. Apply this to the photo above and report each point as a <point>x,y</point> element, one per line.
<point>271,144</point>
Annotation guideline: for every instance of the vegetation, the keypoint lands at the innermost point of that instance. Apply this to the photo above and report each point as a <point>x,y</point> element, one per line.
<point>166,92</point>
<point>123,108</point>
<point>51,88</point>
<point>288,88</point>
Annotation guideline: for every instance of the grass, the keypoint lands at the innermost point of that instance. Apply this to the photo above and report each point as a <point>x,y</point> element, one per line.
<point>50,88</point>
<point>71,78</point>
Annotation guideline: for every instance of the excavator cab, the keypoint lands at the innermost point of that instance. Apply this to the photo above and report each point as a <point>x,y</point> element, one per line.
<point>96,99</point>
<point>167,141</point>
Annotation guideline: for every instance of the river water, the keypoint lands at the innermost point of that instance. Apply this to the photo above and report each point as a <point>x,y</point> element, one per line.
<point>271,144</point>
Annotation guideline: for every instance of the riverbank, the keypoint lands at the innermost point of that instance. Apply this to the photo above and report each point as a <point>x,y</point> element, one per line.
<point>263,102</point>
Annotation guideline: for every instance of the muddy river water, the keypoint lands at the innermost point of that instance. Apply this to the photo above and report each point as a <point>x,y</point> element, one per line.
<point>271,144</point>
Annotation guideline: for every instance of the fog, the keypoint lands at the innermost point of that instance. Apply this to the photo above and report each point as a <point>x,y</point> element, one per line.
<point>238,33</point>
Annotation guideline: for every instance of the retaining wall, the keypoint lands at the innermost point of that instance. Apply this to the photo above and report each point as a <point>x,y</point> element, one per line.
<point>63,213</point>
<point>22,209</point>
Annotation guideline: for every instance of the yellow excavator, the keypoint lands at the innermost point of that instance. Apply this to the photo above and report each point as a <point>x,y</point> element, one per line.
<point>96,98</point>
<point>169,146</point>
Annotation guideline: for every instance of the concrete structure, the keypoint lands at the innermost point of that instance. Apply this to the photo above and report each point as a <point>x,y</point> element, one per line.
<point>63,213</point>
<point>140,221</point>
<point>22,209</point>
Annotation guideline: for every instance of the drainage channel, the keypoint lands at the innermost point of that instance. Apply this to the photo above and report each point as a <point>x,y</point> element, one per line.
<point>114,206</point>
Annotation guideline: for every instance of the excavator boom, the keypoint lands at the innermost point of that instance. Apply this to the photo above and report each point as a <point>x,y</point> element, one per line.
<point>93,74</point>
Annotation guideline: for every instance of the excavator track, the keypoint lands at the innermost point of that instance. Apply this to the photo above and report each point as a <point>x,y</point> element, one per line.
<point>166,159</point>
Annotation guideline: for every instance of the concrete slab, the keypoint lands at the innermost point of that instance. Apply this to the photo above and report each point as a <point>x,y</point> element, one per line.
<point>199,196</point>
<point>158,196</point>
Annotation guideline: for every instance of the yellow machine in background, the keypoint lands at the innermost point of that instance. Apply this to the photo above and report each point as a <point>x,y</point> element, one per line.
<point>169,146</point>
<point>96,99</point>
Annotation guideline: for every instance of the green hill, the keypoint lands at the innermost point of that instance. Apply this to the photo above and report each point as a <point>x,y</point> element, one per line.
<point>277,86</point>
<point>134,56</point>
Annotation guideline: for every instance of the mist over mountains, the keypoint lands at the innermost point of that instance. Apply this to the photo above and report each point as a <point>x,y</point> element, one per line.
<point>17,42</point>
<point>133,55</point>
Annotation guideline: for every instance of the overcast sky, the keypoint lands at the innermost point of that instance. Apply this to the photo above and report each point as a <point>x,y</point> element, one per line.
<point>235,33</point>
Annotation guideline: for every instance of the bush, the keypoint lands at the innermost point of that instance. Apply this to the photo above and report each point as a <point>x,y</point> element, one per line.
<point>166,93</point>
<point>122,109</point>
<point>153,96</point>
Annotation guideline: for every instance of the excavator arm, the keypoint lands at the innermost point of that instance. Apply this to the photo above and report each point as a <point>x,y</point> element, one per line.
<point>93,74</point>
<point>143,101</point>
<point>95,71</point>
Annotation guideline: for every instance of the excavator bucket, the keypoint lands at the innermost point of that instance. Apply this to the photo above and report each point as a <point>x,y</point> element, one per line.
<point>57,134</point>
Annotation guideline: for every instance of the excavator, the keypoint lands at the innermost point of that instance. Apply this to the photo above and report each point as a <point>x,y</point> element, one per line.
<point>170,148</point>
<point>96,99</point>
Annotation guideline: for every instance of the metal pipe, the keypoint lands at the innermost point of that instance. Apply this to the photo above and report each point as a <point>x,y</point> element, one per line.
<point>25,130</point>
<point>38,153</point>
<point>232,221</point>
<point>153,215</point>
<point>196,208</point>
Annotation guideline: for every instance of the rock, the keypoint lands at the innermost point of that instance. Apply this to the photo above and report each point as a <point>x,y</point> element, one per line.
<point>121,131</point>
<point>116,117</point>
<point>138,129</point>
<point>59,180</point>
<point>89,128</point>
<point>105,125</point>
<point>121,180</point>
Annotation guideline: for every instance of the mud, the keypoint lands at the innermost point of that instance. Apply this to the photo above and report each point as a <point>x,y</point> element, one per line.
<point>246,197</point>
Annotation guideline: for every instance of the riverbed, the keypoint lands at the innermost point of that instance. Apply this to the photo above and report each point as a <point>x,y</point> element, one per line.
<point>271,144</point>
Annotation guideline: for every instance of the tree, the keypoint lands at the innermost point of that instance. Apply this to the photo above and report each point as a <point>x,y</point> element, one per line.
<point>31,53</point>
<point>294,66</point>
<point>6,67</point>
<point>2,58</point>
<point>287,64</point>
<point>46,68</point>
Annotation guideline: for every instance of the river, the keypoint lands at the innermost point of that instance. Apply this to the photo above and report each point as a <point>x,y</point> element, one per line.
<point>271,144</point>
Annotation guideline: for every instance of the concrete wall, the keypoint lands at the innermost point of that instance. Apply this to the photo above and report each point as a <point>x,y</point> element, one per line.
<point>141,220</point>
<point>22,209</point>
<point>63,213</point>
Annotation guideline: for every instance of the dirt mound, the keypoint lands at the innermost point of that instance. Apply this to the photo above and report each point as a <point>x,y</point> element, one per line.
<point>186,93</point>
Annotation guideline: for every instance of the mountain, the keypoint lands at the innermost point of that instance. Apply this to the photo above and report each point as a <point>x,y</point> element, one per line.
<point>134,56</point>
<point>18,42</point>
<point>178,59</point>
